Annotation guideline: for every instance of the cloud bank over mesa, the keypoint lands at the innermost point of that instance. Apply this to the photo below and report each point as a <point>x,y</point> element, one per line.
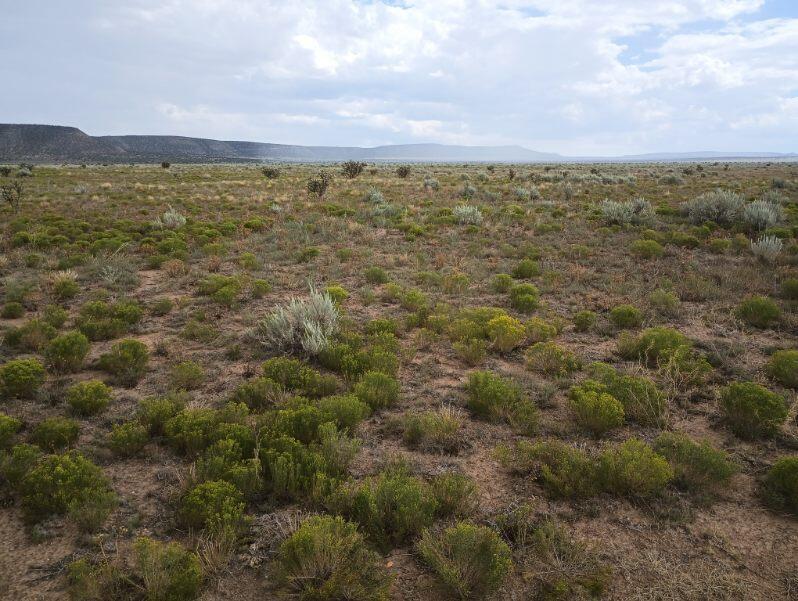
<point>567,76</point>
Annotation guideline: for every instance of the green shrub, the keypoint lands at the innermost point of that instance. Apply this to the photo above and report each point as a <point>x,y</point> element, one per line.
<point>789,289</point>
<point>642,401</point>
<point>626,316</point>
<point>783,367</point>
<point>258,393</point>
<point>551,359</point>
<point>55,315</point>
<point>89,397</point>
<point>100,321</point>
<point>596,412</point>
<point>155,412</point>
<point>377,390</point>
<point>539,330</point>
<point>9,426</point>
<point>216,506</point>
<point>505,333</point>
<point>455,495</point>
<point>127,439</point>
<point>524,297</point>
<point>647,249</point>
<point>633,469</point>
<point>375,275</point>
<point>664,302</point>
<point>168,571</point>
<point>55,433</point>
<point>225,460</point>
<point>562,470</point>
<point>63,483</point>
<point>499,399</point>
<point>296,376</point>
<point>18,462</point>
<point>21,378</point>
<point>502,282</point>
<point>780,486</point>
<point>390,508</point>
<point>12,310</point>
<point>584,320</point>
<point>698,466</point>
<point>192,430</point>
<point>161,307</point>
<point>65,288</point>
<point>526,268</point>
<point>326,559</point>
<point>751,410</point>
<point>186,375</point>
<point>471,561</point>
<point>346,410</point>
<point>652,344</point>
<point>433,431</point>
<point>758,311</point>
<point>67,351</point>
<point>126,362</point>
<point>32,337</point>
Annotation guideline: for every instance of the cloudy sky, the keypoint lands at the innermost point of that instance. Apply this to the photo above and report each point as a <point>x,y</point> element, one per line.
<point>569,76</point>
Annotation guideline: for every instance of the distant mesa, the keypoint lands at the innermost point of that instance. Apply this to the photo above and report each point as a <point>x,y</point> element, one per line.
<point>60,144</point>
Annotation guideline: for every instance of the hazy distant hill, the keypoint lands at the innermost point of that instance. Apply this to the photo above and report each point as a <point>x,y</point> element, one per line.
<point>58,144</point>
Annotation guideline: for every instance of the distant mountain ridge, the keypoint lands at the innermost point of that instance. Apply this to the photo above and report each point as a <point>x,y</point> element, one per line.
<point>63,144</point>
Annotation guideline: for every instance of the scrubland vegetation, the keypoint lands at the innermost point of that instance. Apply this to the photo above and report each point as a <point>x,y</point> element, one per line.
<point>363,382</point>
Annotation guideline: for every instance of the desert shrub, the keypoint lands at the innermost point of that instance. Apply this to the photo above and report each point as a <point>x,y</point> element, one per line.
<point>186,375</point>
<point>495,398</point>
<point>525,269</point>
<point>258,393</point>
<point>647,249</point>
<point>127,439</point>
<point>783,367</point>
<point>33,336</point>
<point>21,378</point>
<point>317,186</point>
<point>225,460</point>
<point>767,248</point>
<point>471,561</point>
<point>9,426</point>
<point>67,351</point>
<point>789,289</point>
<point>55,433</point>
<point>684,367</point>
<point>126,362</point>
<point>637,211</point>
<point>63,483</point>
<point>626,316</point>
<point>642,401</point>
<point>154,412</point>
<point>584,320</point>
<point>664,302</point>
<point>634,469</point>
<point>12,310</point>
<point>192,430</point>
<point>296,376</point>
<point>304,325</point>
<point>505,333</point>
<point>455,495</point>
<point>472,351</point>
<point>720,206</point>
<point>100,321</point>
<point>596,412</point>
<point>539,330</point>
<point>436,431</point>
<point>403,171</point>
<point>467,215</point>
<point>55,315</point>
<point>751,410</point>
<point>89,397</point>
<point>563,471</point>
<point>698,466</point>
<point>761,215</point>
<point>524,297</point>
<point>222,289</point>
<point>346,410</point>
<point>18,462</point>
<point>652,344</point>
<point>780,485</point>
<point>375,275</point>
<point>377,390</point>
<point>390,508</point>
<point>63,286</point>
<point>216,506</point>
<point>551,359</point>
<point>758,311</point>
<point>326,559</point>
<point>501,282</point>
<point>168,571</point>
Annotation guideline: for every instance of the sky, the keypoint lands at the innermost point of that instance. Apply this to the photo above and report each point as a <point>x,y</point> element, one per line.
<point>577,77</point>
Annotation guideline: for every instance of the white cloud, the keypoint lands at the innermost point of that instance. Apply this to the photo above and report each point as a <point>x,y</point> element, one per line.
<point>560,75</point>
